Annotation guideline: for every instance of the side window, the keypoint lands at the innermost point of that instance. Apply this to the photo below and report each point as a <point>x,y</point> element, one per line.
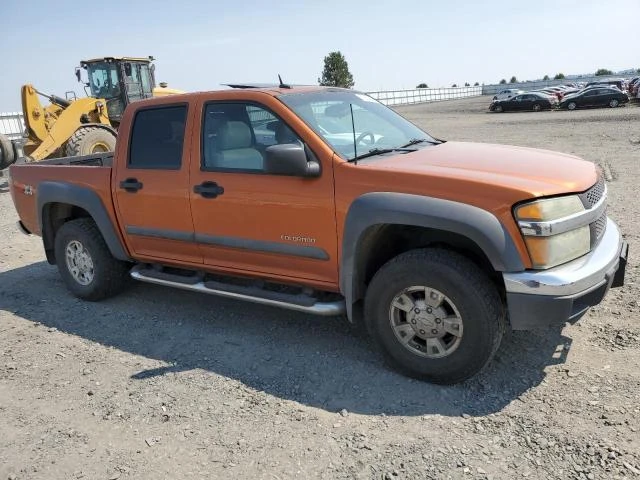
<point>235,136</point>
<point>146,78</point>
<point>157,137</point>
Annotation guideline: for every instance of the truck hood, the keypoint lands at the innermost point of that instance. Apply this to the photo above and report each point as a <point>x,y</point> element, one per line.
<point>534,172</point>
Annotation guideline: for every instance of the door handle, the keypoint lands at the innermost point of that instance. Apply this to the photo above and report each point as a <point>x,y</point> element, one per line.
<point>208,189</point>
<point>131,185</point>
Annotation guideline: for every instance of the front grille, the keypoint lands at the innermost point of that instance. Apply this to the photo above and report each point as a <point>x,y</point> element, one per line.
<point>589,199</point>
<point>597,229</point>
<point>594,194</point>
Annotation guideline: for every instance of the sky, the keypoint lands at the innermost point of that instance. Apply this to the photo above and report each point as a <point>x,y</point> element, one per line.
<point>201,44</point>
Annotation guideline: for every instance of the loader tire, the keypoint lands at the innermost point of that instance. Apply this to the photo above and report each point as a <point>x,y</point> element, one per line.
<point>89,140</point>
<point>7,156</point>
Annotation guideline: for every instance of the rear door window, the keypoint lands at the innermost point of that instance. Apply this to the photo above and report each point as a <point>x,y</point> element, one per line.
<point>157,138</point>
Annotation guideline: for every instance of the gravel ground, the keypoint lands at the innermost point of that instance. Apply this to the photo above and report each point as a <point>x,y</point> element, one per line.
<point>159,383</point>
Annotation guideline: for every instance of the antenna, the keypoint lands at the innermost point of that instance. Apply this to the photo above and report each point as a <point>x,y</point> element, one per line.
<point>282,85</point>
<point>353,126</point>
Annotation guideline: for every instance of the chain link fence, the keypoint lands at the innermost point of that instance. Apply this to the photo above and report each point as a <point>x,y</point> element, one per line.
<point>424,95</point>
<point>12,124</point>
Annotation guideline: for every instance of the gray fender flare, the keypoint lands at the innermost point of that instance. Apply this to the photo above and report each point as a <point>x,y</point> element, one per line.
<point>386,208</point>
<point>82,197</point>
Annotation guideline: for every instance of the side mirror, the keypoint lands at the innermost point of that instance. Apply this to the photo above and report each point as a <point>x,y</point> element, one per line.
<point>78,74</point>
<point>290,159</point>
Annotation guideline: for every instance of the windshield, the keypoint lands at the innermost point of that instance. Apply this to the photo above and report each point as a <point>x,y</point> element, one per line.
<point>103,80</point>
<point>376,127</point>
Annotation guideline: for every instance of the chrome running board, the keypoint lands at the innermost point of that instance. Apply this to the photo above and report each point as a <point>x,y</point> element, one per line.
<point>300,303</point>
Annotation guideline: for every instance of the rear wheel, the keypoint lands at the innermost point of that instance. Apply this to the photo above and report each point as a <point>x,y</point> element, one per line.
<point>613,103</point>
<point>90,140</point>
<point>536,107</point>
<point>7,156</point>
<point>85,263</point>
<point>435,315</point>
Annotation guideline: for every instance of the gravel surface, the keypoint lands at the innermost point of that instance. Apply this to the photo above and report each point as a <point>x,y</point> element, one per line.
<point>159,383</point>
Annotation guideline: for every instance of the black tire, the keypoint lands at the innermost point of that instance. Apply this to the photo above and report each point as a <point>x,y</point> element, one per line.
<point>498,108</point>
<point>475,297</point>
<point>572,105</point>
<point>7,156</point>
<point>109,275</point>
<point>89,140</point>
<point>614,103</point>
<point>536,107</point>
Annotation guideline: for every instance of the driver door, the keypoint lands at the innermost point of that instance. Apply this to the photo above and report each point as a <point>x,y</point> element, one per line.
<point>246,220</point>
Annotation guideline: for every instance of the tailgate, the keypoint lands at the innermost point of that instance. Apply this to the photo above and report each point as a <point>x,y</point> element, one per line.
<point>25,178</point>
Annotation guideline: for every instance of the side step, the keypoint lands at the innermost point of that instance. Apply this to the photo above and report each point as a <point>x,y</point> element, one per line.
<point>195,283</point>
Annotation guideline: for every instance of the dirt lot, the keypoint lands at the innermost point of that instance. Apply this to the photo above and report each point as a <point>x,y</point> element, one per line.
<point>159,383</point>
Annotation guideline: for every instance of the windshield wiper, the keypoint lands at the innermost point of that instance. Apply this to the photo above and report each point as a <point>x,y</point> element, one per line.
<point>415,141</point>
<point>380,151</point>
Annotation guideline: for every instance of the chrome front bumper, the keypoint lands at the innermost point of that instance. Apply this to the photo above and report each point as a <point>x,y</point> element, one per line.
<point>542,297</point>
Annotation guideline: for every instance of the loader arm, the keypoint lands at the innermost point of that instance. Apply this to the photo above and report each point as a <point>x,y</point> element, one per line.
<point>50,127</point>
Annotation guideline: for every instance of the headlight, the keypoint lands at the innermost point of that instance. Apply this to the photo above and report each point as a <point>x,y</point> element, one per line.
<point>550,209</point>
<point>555,230</point>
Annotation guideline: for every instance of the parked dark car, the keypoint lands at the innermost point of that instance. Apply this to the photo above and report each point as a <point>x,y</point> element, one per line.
<point>595,97</point>
<point>526,101</point>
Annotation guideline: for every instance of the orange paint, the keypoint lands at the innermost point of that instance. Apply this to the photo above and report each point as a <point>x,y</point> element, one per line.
<point>271,208</point>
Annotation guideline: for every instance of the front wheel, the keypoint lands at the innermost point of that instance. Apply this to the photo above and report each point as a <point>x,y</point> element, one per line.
<point>536,107</point>
<point>434,315</point>
<point>498,108</point>
<point>613,103</point>
<point>571,105</point>
<point>85,263</point>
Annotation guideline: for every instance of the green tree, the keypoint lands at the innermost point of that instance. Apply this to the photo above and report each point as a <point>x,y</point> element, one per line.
<point>513,80</point>
<point>467,84</point>
<point>336,72</point>
<point>603,71</point>
<point>476,84</point>
<point>454,86</point>
<point>559,76</point>
<point>503,81</point>
<point>546,77</point>
<point>423,85</point>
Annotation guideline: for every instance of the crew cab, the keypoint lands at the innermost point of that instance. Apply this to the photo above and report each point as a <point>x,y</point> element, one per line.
<point>325,201</point>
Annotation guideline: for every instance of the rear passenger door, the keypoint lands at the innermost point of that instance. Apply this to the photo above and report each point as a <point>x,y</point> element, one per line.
<point>590,98</point>
<point>151,183</point>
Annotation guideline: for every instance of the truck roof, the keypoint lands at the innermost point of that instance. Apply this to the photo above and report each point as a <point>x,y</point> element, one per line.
<point>240,90</point>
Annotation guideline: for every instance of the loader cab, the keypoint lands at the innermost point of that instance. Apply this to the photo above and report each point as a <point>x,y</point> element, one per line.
<point>120,81</point>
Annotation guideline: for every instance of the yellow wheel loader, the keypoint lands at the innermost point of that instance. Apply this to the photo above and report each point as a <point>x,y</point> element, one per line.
<point>82,126</point>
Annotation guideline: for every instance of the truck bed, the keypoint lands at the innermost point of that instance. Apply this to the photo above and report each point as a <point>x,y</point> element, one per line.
<point>90,171</point>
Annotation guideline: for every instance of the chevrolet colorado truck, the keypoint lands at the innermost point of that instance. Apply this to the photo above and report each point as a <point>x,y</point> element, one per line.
<point>325,201</point>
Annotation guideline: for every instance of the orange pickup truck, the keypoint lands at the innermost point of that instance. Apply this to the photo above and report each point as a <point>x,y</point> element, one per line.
<point>325,201</point>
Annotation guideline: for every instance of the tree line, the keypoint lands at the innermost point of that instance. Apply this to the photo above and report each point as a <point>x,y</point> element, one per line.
<point>336,74</point>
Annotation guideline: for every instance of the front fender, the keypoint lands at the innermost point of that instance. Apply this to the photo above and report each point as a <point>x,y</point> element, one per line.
<point>386,208</point>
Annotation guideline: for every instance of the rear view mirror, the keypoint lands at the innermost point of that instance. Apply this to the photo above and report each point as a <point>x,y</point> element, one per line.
<point>290,159</point>
<point>337,110</point>
<point>78,74</point>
